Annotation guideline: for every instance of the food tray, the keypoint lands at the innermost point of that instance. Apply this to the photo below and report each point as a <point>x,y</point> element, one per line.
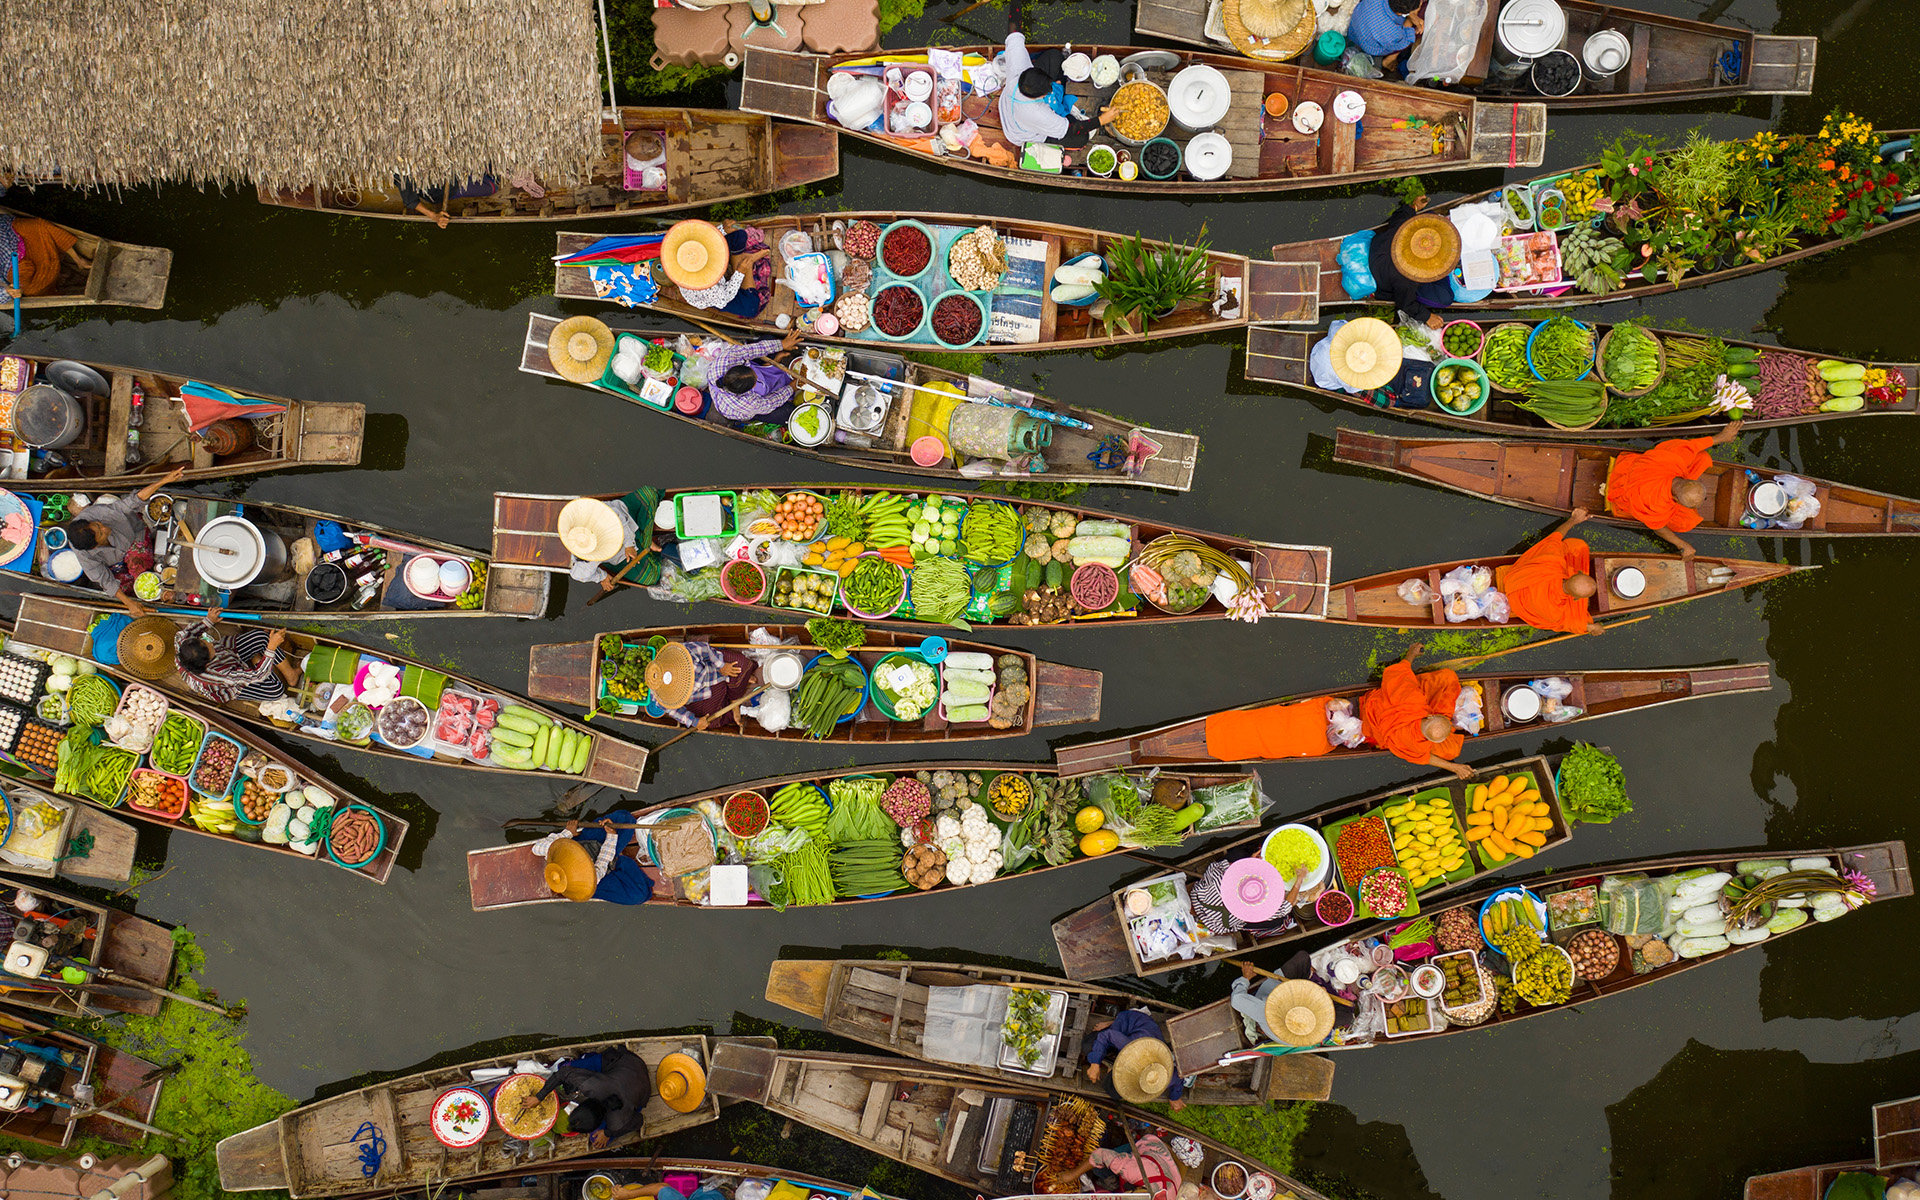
<point>131,689</point>
<point>459,748</point>
<point>1562,918</point>
<point>1469,956</point>
<point>239,752</point>
<point>1553,810</point>
<point>1049,1045</point>
<point>22,679</point>
<point>167,814</point>
<point>1427,1007</point>
<point>774,583</point>
<point>1331,832</point>
<point>19,739</point>
<point>1456,797</point>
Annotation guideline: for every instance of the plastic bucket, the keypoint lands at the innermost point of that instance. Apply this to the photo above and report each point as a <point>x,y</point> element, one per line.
<point>865,695</point>
<point>736,594</point>
<point>379,841</point>
<point>1433,387</point>
<point>879,697</point>
<point>1141,158</point>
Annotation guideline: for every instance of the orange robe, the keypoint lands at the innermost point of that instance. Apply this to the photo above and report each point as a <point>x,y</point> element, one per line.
<point>1390,714</point>
<point>42,244</point>
<point>1536,585</point>
<point>1641,485</point>
<point>1297,730</point>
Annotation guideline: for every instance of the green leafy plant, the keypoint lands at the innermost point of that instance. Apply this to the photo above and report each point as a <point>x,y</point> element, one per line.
<point>1410,189</point>
<point>1147,282</point>
<point>1699,175</point>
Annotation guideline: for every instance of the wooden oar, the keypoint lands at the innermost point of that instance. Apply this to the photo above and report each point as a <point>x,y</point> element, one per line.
<point>1283,979</point>
<point>708,720</point>
<point>1454,664</point>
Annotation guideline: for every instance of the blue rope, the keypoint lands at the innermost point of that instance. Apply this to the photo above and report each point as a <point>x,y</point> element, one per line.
<point>373,1151</point>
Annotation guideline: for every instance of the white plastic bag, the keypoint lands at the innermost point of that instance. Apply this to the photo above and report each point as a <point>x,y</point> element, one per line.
<point>1467,716</point>
<point>1494,607</point>
<point>1416,592</point>
<point>1554,687</point>
<point>772,709</point>
<point>1446,47</point>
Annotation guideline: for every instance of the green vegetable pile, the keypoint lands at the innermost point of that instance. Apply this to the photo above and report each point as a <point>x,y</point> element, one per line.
<point>1593,788</point>
<point>177,744</point>
<point>1568,402</point>
<point>1693,364</point>
<point>836,637</point>
<point>875,586</point>
<point>1633,359</point>
<point>867,866</point>
<point>1505,358</point>
<point>809,876</point>
<point>856,815</point>
<point>623,667</point>
<point>940,591</point>
<point>91,700</point>
<point>799,806</point>
<point>107,774</point>
<point>843,516</point>
<point>830,690</point>
<point>991,532</point>
<point>1562,349</point>
<point>1461,341</point>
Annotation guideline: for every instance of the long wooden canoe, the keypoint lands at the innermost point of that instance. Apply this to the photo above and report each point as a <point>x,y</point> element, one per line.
<point>1093,944</point>
<point>936,1120</point>
<point>109,842</point>
<point>121,273</point>
<point>1674,60</point>
<point>613,762</point>
<point>121,1082</point>
<point>569,673</point>
<point>1069,456</point>
<point>883,1002</point>
<point>1268,154</point>
<point>1375,600</point>
<point>310,1151</point>
<point>308,434</point>
<point>564,1180</point>
<point>1555,478</point>
<point>1293,578</point>
<point>1281,356</point>
<point>30,634</point>
<point>1320,254</point>
<point>510,591</point>
<point>115,941</point>
<point>1896,1150</point>
<point>1596,693</point>
<point>713,156</point>
<point>1256,292</point>
<point>511,876</point>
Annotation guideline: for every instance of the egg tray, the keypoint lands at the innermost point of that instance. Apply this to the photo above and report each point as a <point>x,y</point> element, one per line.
<point>14,744</point>
<point>22,679</point>
<point>12,720</point>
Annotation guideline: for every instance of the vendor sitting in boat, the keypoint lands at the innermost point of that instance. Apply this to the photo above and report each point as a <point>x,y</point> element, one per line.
<point>612,872</point>
<point>606,1093</point>
<point>697,684</point>
<point>1033,102</point>
<point>1661,488</point>
<point>1142,1069</point>
<point>1413,716</point>
<point>1411,257</point>
<point>432,201</point>
<point>245,665</point>
<point>747,382</point>
<point>1147,1165</point>
<point>114,543</point>
<point>728,269</point>
<point>1290,1012</point>
<point>38,247</point>
<point>1386,29</point>
<point>603,539</point>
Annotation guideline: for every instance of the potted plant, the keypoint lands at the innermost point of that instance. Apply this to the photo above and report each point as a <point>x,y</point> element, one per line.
<point>1150,282</point>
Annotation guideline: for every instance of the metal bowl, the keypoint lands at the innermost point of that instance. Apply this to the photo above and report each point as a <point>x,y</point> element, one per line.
<point>1628,582</point>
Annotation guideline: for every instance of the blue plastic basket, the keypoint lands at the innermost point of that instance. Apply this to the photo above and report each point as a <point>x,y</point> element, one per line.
<point>1076,261</point>
<point>866,690</point>
<point>1591,350</point>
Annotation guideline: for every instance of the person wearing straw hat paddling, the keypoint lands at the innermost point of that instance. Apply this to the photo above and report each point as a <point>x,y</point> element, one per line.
<point>603,539</point>
<point>609,871</point>
<point>1411,257</point>
<point>1142,1067</point>
<point>694,681</point>
<point>247,664</point>
<point>1412,716</point>
<point>606,1093</point>
<point>747,382</point>
<point>727,269</point>
<point>114,543</point>
<point>1292,1012</point>
<point>1661,488</point>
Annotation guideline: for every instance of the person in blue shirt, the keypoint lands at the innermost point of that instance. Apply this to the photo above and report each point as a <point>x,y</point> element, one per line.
<point>1386,29</point>
<point>609,871</point>
<point>1110,1039</point>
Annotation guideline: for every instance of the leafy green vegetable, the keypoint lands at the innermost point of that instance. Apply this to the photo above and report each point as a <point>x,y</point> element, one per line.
<point>1593,788</point>
<point>836,637</point>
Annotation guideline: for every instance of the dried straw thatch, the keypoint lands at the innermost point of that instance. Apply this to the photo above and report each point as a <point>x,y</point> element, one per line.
<point>288,93</point>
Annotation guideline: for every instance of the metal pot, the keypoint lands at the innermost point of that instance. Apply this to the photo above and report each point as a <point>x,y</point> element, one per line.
<point>1628,582</point>
<point>47,417</point>
<point>259,555</point>
<point>326,584</point>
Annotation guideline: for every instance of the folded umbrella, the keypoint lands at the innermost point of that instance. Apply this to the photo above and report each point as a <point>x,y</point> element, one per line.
<point>207,403</point>
<point>619,248</point>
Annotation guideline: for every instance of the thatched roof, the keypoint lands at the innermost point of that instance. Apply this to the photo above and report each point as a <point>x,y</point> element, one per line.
<point>288,93</point>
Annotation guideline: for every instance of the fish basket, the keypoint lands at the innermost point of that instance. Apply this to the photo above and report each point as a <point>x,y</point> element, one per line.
<point>979,334</point>
<point>1488,340</point>
<point>1600,369</point>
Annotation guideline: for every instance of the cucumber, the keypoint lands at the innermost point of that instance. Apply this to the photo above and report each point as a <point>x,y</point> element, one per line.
<point>1056,574</point>
<point>508,736</point>
<point>556,744</point>
<point>540,745</point>
<point>582,752</point>
<point>526,714</point>
<point>1837,371</point>
<point>1739,354</point>
<point>509,720</point>
<point>511,755</point>
<point>1742,370</point>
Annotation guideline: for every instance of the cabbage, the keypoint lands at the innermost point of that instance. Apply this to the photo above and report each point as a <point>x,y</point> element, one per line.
<point>83,667</point>
<point>62,665</point>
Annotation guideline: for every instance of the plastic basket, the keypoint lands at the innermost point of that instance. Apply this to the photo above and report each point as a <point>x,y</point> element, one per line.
<point>914,334</point>
<point>736,595</point>
<point>1433,387</point>
<point>879,697</point>
<point>1479,333</point>
<point>234,790</point>
<point>1531,337</point>
<point>103,679</point>
<point>1095,586</point>
<point>379,841</point>
<point>173,814</point>
<point>1076,261</point>
<point>979,334</point>
<point>730,505</point>
<point>933,250</point>
<point>165,707</point>
<point>866,691</point>
<point>34,722</point>
<point>197,723</point>
<point>784,571</point>
<point>239,752</point>
<point>897,600</point>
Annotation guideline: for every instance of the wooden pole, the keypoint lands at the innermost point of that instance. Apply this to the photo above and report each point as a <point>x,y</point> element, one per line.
<point>1454,664</point>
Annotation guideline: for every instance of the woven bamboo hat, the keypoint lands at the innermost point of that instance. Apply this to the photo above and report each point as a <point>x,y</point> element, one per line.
<point>694,254</point>
<point>569,870</point>
<point>590,529</point>
<point>1300,1012</point>
<point>145,647</point>
<point>1365,353</point>
<point>1426,248</point>
<point>579,348</point>
<point>1142,1070</point>
<point>681,1082</point>
<point>1247,23</point>
<point>670,675</point>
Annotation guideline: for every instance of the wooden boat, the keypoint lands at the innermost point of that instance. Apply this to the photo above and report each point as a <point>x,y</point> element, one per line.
<point>508,591</point>
<point>934,1118</point>
<point>613,762</point>
<point>308,434</point>
<point>1596,693</point>
<point>1254,292</point>
<point>109,842</point>
<point>120,1082</point>
<point>59,638</point>
<point>122,273</point>
<point>1896,1151</point>
<point>1070,456</point>
<point>310,1151</point>
<point>101,938</point>
<point>1280,356</point>
<point>1375,600</point>
<point>883,1002</point>
<point>569,673</point>
<point>713,156</point>
<point>511,876</point>
<point>1555,478</point>
<point>564,1180</point>
<point>1268,155</point>
<point>1673,60</point>
<point>1292,578</point>
<point>1321,253</point>
<point>1093,941</point>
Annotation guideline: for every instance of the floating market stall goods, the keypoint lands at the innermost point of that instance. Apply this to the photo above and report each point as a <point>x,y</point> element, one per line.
<point>841,838</point>
<point>73,958</point>
<point>1521,949</point>
<point>72,1070</point>
<point>928,558</point>
<point>1650,218</point>
<point>457,1123</point>
<point>200,552</point>
<point>61,421</point>
<point>1159,121</point>
<point>872,408</point>
<point>1566,378</point>
<point>933,281</point>
<point>1739,498</point>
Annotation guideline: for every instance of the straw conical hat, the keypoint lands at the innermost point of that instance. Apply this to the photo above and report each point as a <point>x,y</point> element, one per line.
<point>681,1082</point>
<point>1142,1070</point>
<point>145,647</point>
<point>1274,18</point>
<point>670,675</point>
<point>590,529</point>
<point>1294,19</point>
<point>579,348</point>
<point>694,255</point>
<point>1300,1012</point>
<point>1426,248</point>
<point>1365,353</point>
<point>569,870</point>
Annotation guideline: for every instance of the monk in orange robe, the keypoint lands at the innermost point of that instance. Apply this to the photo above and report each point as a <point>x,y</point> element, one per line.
<point>1550,585</point>
<point>42,243</point>
<point>1412,716</point>
<point>1661,488</point>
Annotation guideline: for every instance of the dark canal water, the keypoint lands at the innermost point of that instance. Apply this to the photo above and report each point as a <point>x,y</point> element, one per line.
<point>1762,1062</point>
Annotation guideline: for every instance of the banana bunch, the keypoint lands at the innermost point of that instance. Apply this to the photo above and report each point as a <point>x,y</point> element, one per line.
<point>884,518</point>
<point>1583,195</point>
<point>1588,258</point>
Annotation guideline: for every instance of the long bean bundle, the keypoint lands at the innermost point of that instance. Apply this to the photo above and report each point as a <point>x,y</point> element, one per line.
<point>940,590</point>
<point>1567,402</point>
<point>863,868</point>
<point>808,875</point>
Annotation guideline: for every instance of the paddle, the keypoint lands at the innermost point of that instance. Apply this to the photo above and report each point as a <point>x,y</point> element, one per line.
<point>708,720</point>
<point>634,558</point>
<point>16,292</point>
<point>1454,664</point>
